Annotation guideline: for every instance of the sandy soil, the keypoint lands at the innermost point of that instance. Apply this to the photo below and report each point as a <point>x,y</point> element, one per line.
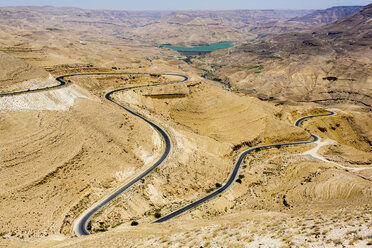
<point>247,229</point>
<point>49,162</point>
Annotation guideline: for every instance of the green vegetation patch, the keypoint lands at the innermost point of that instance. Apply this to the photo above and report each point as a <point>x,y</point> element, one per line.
<point>260,67</point>
<point>188,60</point>
<point>218,185</point>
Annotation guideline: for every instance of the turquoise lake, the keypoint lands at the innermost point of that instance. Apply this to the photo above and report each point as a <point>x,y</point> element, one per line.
<point>209,48</point>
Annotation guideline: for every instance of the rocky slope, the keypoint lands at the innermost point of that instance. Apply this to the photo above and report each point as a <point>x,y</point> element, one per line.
<point>203,27</point>
<point>180,27</point>
<point>327,15</point>
<point>328,64</point>
<point>16,74</point>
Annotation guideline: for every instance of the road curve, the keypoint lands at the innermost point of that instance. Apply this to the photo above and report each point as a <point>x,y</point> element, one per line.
<point>80,226</point>
<point>81,223</point>
<point>62,82</point>
<point>59,79</point>
<point>235,171</point>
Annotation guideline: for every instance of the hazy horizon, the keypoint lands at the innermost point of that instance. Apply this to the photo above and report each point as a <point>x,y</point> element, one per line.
<point>189,5</point>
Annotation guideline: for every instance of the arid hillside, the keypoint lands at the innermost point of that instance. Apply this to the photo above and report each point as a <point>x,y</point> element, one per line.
<point>327,15</point>
<point>303,22</point>
<point>330,64</point>
<point>182,27</point>
<point>16,74</point>
<point>166,27</point>
<point>62,150</point>
<point>203,27</point>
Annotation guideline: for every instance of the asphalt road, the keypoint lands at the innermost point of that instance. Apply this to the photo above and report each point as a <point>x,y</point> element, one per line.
<point>80,226</point>
<point>62,82</point>
<point>59,79</point>
<point>235,171</point>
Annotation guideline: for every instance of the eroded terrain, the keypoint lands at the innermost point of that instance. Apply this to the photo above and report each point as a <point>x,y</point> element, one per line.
<point>64,149</point>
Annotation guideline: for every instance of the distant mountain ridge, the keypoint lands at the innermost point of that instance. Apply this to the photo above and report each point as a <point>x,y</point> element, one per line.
<point>182,28</point>
<point>327,15</point>
<point>327,64</point>
<point>353,32</point>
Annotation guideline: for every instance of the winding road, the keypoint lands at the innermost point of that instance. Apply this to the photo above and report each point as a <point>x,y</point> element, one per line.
<point>80,226</point>
<point>235,171</point>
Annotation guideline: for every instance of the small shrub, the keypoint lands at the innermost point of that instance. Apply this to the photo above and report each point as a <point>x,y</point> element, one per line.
<point>89,226</point>
<point>238,181</point>
<point>353,241</point>
<point>218,185</point>
<point>322,129</point>
<point>157,215</point>
<point>188,60</point>
<point>209,190</point>
<point>337,242</point>
<point>101,229</point>
<point>134,223</point>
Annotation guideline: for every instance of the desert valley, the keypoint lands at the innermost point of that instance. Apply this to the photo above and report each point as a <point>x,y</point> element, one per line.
<point>185,110</point>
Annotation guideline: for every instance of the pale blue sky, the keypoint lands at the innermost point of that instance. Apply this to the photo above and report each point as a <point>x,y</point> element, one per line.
<point>188,4</point>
